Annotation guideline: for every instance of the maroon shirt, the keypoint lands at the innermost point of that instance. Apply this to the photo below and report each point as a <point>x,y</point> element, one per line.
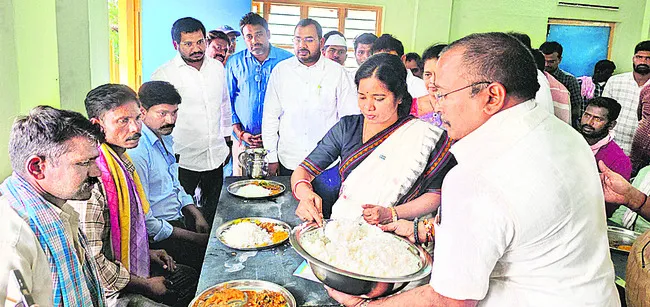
<point>614,157</point>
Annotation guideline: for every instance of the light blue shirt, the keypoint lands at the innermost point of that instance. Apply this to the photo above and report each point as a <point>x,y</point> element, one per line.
<point>156,165</point>
<point>247,79</point>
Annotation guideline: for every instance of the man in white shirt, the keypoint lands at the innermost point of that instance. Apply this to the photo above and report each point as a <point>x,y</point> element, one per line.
<point>626,88</point>
<point>52,154</point>
<point>306,95</point>
<point>204,118</point>
<point>521,223</point>
<point>389,44</point>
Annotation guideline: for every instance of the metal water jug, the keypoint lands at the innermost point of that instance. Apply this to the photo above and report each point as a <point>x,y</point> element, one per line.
<point>254,162</point>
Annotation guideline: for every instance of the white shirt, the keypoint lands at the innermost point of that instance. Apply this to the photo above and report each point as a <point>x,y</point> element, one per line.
<point>522,223</point>
<point>543,96</point>
<point>20,250</point>
<point>624,89</point>
<point>204,115</point>
<point>302,103</point>
<point>415,85</point>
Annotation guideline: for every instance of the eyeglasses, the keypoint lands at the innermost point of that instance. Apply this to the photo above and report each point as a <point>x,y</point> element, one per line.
<point>200,42</point>
<point>440,96</point>
<point>307,40</point>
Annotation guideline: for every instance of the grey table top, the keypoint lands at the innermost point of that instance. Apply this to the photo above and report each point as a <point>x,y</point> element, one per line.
<point>275,265</point>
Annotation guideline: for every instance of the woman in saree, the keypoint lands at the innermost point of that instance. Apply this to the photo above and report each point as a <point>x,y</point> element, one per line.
<point>392,164</point>
<point>422,107</point>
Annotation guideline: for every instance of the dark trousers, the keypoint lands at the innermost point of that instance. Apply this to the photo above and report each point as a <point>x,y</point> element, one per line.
<point>326,185</point>
<point>209,188</point>
<point>181,284</point>
<point>182,251</point>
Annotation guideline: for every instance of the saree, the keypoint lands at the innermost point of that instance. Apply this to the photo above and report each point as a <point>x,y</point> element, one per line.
<point>397,165</point>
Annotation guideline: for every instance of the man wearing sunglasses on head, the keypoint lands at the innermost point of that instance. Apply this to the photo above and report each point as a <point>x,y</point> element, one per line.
<point>247,74</point>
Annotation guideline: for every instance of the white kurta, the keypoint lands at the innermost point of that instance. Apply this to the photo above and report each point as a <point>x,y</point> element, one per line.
<point>302,103</point>
<point>522,219</point>
<point>204,115</point>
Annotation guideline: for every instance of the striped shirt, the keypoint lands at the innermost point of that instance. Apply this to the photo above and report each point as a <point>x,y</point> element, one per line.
<point>624,89</point>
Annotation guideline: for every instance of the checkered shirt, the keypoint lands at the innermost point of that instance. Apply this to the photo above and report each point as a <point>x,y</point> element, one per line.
<point>626,91</point>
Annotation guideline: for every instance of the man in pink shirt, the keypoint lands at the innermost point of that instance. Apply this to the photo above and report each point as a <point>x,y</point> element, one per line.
<point>596,123</point>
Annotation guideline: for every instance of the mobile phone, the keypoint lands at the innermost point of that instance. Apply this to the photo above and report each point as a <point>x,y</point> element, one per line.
<point>26,299</point>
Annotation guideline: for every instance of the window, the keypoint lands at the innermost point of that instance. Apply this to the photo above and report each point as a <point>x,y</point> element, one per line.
<point>351,20</point>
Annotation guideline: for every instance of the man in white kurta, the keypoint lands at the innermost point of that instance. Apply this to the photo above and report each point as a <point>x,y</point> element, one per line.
<point>306,95</point>
<point>304,99</point>
<point>204,118</point>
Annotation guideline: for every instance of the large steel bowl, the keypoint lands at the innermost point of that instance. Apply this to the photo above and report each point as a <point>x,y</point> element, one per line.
<point>357,284</point>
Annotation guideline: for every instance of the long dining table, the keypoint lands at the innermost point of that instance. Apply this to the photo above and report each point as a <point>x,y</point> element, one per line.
<point>275,265</point>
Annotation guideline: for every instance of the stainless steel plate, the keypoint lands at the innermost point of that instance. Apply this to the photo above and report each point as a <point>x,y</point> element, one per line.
<point>225,226</point>
<point>246,285</point>
<point>620,236</point>
<point>275,187</point>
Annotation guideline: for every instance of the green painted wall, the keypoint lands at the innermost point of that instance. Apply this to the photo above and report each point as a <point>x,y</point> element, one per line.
<point>36,53</point>
<point>53,53</point>
<point>72,21</point>
<point>9,91</point>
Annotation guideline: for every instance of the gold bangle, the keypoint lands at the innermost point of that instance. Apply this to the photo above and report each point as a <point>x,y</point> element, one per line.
<point>393,213</point>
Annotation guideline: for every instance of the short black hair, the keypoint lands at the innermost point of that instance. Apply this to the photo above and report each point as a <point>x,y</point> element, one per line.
<point>364,38</point>
<point>307,22</point>
<point>540,61</point>
<point>44,132</point>
<point>253,19</point>
<point>413,56</point>
<point>611,105</point>
<point>642,46</point>
<point>603,70</point>
<point>432,52</point>
<point>106,97</point>
<point>550,47</point>
<point>498,57</point>
<point>158,92</point>
<point>214,34</point>
<point>522,37</point>
<point>186,25</point>
<point>604,65</point>
<point>389,69</point>
<point>388,43</point>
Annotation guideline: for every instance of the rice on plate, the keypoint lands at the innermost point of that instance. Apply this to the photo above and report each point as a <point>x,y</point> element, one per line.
<point>361,248</point>
<point>251,234</point>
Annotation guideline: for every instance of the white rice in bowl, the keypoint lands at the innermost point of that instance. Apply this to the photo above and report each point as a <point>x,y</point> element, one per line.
<point>361,248</point>
<point>246,235</point>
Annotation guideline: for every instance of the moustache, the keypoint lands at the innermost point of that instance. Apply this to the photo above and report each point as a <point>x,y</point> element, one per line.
<point>587,126</point>
<point>135,137</point>
<point>306,50</point>
<point>258,46</point>
<point>200,53</point>
<point>91,181</point>
<point>170,126</point>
